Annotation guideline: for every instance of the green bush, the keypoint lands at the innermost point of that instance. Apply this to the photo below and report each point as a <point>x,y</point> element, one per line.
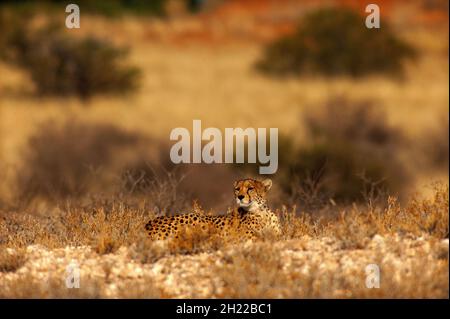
<point>60,65</point>
<point>335,41</point>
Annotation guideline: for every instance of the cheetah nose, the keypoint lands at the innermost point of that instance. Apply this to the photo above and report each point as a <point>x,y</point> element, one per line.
<point>241,197</point>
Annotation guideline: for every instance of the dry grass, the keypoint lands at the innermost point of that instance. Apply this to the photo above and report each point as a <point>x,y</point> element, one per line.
<point>11,260</point>
<point>317,256</point>
<point>263,271</point>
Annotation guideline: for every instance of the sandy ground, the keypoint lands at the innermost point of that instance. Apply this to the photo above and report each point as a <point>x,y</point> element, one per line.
<point>320,264</point>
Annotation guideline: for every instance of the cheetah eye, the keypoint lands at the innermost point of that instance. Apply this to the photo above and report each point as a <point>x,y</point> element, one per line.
<point>237,189</point>
<point>250,188</point>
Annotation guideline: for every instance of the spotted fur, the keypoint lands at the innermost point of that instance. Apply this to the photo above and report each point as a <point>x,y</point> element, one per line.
<point>250,220</point>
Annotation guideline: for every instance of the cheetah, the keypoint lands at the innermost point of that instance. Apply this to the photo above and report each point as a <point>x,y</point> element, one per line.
<point>252,219</point>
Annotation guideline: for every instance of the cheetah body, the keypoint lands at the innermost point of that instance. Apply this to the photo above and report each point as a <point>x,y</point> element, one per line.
<point>251,220</point>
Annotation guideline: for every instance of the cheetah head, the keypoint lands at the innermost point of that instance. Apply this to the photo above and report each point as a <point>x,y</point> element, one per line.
<point>250,194</point>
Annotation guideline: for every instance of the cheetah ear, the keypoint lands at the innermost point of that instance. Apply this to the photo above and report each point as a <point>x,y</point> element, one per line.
<point>267,184</point>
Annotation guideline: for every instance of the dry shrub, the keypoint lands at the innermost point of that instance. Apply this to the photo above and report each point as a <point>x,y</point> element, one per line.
<point>350,156</point>
<point>110,230</point>
<point>334,41</point>
<point>60,65</point>
<point>201,182</point>
<point>355,225</point>
<point>352,230</point>
<point>103,230</point>
<point>157,185</point>
<point>106,231</point>
<point>3,23</point>
<point>107,165</point>
<point>19,229</point>
<point>434,145</point>
<point>11,25</point>
<point>419,217</point>
<point>65,161</point>
<point>360,121</point>
<point>170,189</point>
<point>294,225</point>
<point>429,217</point>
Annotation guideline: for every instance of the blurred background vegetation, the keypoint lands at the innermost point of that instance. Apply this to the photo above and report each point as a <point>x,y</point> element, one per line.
<point>333,41</point>
<point>85,114</point>
<point>108,8</point>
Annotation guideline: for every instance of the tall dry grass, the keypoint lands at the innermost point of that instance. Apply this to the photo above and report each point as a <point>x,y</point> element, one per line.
<point>108,229</point>
<point>251,270</point>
